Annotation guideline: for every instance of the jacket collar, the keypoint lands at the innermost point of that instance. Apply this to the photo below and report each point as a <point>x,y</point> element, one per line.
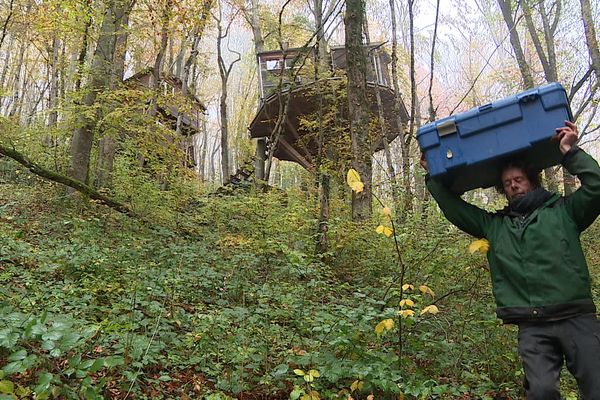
<point>534,200</point>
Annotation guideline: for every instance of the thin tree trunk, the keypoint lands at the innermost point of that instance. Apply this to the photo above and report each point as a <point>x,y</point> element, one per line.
<point>505,7</point>
<point>391,171</point>
<point>323,242</point>
<point>594,52</point>
<point>16,97</point>
<point>406,143</point>
<point>224,72</point>
<point>5,24</point>
<point>548,60</point>
<point>53,93</point>
<point>160,56</point>
<point>203,152</point>
<point>5,67</point>
<point>84,46</point>
<point>536,40</point>
<point>432,110</point>
<point>398,104</point>
<point>253,19</point>
<point>590,36</point>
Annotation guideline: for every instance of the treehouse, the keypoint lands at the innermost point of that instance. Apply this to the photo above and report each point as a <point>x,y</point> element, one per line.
<point>192,119</point>
<point>290,73</point>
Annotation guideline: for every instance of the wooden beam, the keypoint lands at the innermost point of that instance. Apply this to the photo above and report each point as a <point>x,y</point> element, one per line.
<point>292,128</point>
<point>299,158</point>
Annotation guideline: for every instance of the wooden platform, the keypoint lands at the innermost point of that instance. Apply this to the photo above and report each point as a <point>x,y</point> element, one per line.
<point>304,101</point>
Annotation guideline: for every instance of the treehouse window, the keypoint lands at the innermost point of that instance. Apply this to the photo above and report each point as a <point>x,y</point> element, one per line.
<point>273,65</point>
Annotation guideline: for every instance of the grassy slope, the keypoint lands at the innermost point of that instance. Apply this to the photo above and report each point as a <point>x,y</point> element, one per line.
<point>225,298</point>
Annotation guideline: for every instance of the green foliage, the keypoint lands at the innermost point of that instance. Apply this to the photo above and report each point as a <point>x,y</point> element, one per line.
<point>222,297</point>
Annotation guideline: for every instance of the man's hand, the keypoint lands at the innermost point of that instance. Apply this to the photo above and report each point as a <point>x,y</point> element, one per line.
<point>567,136</point>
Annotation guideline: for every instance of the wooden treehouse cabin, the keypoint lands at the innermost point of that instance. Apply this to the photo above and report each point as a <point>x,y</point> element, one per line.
<point>292,70</point>
<point>192,121</point>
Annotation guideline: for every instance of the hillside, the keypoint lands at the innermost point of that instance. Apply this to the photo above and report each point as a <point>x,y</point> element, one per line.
<point>224,298</point>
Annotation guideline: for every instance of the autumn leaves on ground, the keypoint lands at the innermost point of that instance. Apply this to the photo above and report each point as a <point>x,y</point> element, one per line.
<point>224,297</point>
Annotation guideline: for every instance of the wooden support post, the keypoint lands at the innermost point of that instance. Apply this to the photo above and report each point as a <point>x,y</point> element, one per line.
<point>261,156</point>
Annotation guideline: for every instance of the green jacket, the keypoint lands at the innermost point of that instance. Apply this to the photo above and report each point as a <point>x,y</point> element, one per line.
<point>537,265</point>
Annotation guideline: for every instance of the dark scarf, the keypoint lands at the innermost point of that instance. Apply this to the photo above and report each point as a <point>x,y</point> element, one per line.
<point>525,205</point>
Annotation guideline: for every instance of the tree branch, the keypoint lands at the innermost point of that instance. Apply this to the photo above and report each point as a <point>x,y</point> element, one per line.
<point>64,180</point>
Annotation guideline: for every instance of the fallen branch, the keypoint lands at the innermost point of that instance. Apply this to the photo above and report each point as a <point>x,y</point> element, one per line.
<point>65,180</point>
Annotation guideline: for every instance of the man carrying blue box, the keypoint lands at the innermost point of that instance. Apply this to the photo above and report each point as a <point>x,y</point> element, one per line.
<point>540,278</point>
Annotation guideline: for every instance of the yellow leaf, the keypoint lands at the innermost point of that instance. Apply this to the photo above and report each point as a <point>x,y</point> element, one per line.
<point>407,286</point>
<point>309,378</point>
<point>299,372</point>
<point>353,180</point>
<point>431,309</point>
<point>407,302</point>
<point>387,211</point>
<point>426,290</point>
<point>314,373</point>
<point>370,397</point>
<point>386,230</point>
<point>384,325</point>
<point>312,395</point>
<point>481,245</point>
<point>406,313</point>
<point>355,385</point>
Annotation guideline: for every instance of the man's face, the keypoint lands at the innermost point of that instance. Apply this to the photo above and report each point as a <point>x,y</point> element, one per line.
<point>515,183</point>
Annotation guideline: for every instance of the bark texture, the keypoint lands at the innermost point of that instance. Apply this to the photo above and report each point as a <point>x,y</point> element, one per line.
<point>358,106</point>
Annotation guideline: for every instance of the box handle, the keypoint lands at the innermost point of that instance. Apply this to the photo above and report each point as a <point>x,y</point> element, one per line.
<point>485,107</point>
<point>446,128</point>
<point>528,98</point>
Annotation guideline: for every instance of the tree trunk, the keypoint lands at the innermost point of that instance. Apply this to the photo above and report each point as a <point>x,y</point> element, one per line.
<point>224,72</point>
<point>160,56</point>
<point>432,109</point>
<point>407,139</point>
<point>84,46</point>
<point>549,70</point>
<point>358,107</point>
<point>107,146</point>
<point>203,152</point>
<point>594,52</point>
<point>323,241</point>
<point>6,23</point>
<point>547,58</point>
<point>590,36</point>
<point>391,171</point>
<point>224,131</point>
<point>6,62</point>
<point>100,73</point>
<point>53,92</point>
<point>253,19</point>
<point>16,97</point>
<point>505,7</point>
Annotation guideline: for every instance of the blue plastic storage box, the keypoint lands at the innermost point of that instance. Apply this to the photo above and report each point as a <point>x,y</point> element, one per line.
<point>467,150</point>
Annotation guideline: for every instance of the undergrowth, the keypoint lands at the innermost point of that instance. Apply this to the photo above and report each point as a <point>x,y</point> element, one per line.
<point>224,297</point>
